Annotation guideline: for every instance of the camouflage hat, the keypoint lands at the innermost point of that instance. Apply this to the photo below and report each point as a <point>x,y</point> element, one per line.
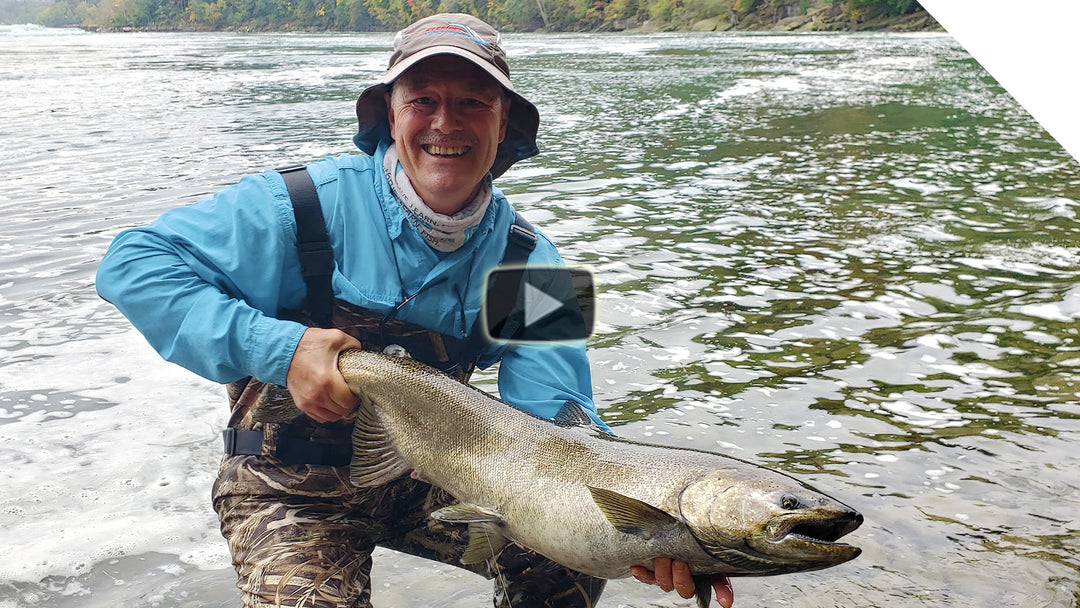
<point>464,36</point>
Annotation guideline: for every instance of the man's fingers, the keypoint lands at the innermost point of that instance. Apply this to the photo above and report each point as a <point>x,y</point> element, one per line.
<point>681,579</point>
<point>314,381</point>
<point>725,595</point>
<point>673,574</point>
<point>336,403</point>
<point>662,572</point>
<point>643,574</point>
<point>319,415</point>
<point>342,399</point>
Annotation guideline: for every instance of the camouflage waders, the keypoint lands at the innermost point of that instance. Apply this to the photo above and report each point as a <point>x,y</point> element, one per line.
<point>301,535</point>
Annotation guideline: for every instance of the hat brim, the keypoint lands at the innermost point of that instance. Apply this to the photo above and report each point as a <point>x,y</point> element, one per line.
<point>445,49</point>
<point>521,128</point>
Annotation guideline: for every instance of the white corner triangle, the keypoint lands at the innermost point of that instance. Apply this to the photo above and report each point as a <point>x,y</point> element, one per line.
<point>1031,51</point>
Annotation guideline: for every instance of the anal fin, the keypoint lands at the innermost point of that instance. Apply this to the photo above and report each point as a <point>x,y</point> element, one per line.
<point>465,513</point>
<point>485,542</point>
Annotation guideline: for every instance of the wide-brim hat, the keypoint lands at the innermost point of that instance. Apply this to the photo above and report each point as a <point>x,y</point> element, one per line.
<point>467,37</point>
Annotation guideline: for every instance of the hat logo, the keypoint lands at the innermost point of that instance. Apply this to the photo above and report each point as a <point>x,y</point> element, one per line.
<point>459,29</point>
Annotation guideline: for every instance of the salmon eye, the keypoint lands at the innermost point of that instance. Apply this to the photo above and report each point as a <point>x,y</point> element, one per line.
<point>789,502</point>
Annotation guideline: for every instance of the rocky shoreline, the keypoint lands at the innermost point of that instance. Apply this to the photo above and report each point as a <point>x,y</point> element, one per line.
<point>821,16</point>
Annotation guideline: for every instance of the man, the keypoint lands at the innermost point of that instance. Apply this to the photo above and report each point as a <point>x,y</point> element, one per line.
<point>411,229</point>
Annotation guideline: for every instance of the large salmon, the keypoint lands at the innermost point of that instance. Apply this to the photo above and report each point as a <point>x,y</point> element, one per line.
<point>583,498</point>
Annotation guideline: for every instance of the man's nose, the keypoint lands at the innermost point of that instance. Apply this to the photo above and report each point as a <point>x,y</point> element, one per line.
<point>444,118</point>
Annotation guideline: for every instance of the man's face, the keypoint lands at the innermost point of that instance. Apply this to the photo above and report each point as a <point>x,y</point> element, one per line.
<point>447,117</point>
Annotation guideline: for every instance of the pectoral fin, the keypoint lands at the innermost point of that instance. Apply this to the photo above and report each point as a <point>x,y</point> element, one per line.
<point>375,461</point>
<point>631,515</point>
<point>274,404</point>
<point>486,537</point>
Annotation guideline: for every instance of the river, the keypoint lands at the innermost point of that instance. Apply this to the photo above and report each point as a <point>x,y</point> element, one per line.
<point>850,257</point>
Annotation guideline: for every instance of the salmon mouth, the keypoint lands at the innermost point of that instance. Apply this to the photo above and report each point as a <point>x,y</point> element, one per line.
<point>815,532</point>
<point>442,151</point>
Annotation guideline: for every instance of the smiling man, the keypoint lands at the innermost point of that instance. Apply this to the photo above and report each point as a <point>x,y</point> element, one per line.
<point>447,118</point>
<point>264,284</point>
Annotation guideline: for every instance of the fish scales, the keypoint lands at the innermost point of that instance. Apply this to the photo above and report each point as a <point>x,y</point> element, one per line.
<point>539,478</point>
<point>583,498</point>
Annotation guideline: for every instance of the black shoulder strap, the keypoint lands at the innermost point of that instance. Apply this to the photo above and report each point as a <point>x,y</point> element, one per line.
<point>312,243</point>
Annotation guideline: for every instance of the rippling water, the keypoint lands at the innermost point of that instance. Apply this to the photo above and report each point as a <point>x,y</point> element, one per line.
<point>853,258</point>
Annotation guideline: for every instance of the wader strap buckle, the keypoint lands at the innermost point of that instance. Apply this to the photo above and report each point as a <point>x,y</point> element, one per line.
<point>520,242</point>
<point>242,442</point>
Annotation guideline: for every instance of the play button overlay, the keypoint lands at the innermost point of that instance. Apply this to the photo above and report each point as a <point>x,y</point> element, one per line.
<point>538,304</point>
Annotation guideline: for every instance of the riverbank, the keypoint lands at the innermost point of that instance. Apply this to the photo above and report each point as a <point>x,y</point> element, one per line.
<point>813,16</point>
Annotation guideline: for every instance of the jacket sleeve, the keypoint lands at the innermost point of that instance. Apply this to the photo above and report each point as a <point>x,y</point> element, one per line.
<point>203,282</point>
<point>541,378</point>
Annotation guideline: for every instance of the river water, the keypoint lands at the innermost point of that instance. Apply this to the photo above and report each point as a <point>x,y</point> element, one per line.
<point>853,258</point>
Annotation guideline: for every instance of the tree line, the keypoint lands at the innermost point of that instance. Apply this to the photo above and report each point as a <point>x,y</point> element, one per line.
<point>391,15</point>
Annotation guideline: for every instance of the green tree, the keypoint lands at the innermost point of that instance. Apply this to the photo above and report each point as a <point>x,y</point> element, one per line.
<point>352,15</point>
<point>622,9</point>
<point>706,9</point>
<point>388,14</point>
<point>367,15</point>
<point>870,8</point>
<point>744,6</point>
<point>660,10</point>
<point>237,12</point>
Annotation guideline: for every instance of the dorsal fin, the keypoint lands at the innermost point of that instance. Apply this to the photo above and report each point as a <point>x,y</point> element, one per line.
<point>572,415</point>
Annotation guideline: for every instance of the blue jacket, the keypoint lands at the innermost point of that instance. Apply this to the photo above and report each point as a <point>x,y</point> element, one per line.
<point>204,282</point>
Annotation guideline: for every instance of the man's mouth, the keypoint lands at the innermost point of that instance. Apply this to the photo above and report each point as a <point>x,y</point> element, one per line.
<point>446,151</point>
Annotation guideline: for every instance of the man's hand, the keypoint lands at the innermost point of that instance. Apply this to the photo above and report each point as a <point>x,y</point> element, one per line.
<point>314,381</point>
<point>673,574</point>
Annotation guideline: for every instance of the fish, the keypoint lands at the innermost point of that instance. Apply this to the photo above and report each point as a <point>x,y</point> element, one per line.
<point>582,497</point>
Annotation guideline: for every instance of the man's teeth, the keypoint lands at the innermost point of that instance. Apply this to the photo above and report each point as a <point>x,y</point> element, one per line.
<point>446,150</point>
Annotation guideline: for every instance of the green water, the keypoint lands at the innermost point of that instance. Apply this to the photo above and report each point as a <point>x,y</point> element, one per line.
<point>853,258</point>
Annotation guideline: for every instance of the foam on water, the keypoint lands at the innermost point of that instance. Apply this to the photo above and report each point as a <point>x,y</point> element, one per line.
<point>128,475</point>
<point>32,29</point>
